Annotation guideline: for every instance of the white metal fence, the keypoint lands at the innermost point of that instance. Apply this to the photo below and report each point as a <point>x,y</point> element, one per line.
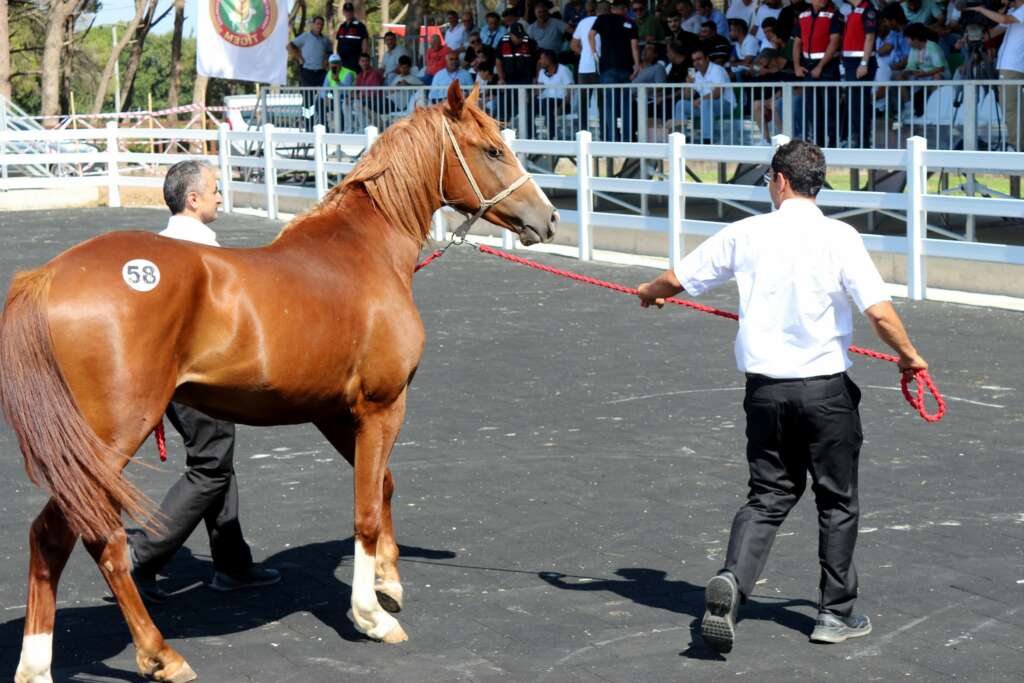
<point>257,161</point>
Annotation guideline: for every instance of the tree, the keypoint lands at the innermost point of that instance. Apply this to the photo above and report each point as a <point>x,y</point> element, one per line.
<point>5,51</point>
<point>115,55</point>
<point>59,11</point>
<point>175,88</point>
<point>135,59</point>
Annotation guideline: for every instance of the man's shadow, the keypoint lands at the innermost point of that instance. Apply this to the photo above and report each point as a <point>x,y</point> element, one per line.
<point>87,636</point>
<point>650,588</point>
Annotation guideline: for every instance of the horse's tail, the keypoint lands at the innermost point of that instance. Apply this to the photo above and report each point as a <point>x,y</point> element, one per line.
<point>63,455</point>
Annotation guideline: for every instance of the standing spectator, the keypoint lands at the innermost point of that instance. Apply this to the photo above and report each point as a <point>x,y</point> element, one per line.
<point>712,102</point>
<point>572,12</point>
<point>785,28</point>
<point>547,32</point>
<point>452,72</point>
<point>715,47</point>
<point>769,9</point>
<point>689,20</point>
<point>403,76</point>
<point>552,99</point>
<point>208,490</point>
<point>741,9</point>
<point>925,12</point>
<point>817,37</point>
<point>454,33</point>
<point>461,37</point>
<point>512,16</point>
<point>1010,64</point>
<point>707,12</point>
<point>492,32</point>
<point>394,52</point>
<point>517,57</point>
<point>797,271</point>
<point>771,66</point>
<point>352,38</point>
<point>618,62</point>
<point>648,27</point>
<point>744,48</point>
<point>587,68</point>
<point>312,49</point>
<point>436,56</point>
<point>859,66</point>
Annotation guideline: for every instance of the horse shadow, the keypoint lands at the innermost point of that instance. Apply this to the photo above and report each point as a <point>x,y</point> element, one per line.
<point>650,588</point>
<point>92,634</point>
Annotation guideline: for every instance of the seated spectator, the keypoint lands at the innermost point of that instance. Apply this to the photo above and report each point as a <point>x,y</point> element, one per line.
<point>679,63</point>
<point>744,48</point>
<point>769,9</point>
<point>513,16</point>
<point>368,76</point>
<point>338,75</point>
<point>707,101</point>
<point>706,9</point>
<point>676,34</point>
<point>485,73</point>
<point>553,98</point>
<point>892,50</point>
<point>925,12</point>
<point>951,29</point>
<point>772,64</point>
<point>689,20</point>
<point>926,61</point>
<point>394,52</point>
<point>786,21</point>
<point>493,31</point>
<point>452,72</point>
<point>649,28</point>
<point>403,76</point>
<point>454,32</point>
<point>435,60</point>
<point>548,33</point>
<point>715,47</point>
<point>477,52</point>
<point>651,70</point>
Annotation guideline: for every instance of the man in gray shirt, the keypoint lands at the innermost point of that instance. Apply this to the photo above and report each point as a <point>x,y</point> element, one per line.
<point>389,62</point>
<point>312,49</point>
<point>547,32</point>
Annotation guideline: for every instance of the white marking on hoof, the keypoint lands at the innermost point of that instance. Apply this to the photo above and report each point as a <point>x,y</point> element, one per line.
<point>367,613</point>
<point>36,655</point>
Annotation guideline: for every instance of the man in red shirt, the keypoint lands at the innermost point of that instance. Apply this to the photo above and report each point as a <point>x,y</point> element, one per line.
<point>859,65</point>
<point>817,35</point>
<point>368,82</point>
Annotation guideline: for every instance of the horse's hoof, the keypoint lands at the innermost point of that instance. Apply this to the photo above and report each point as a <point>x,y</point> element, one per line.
<point>395,635</point>
<point>184,674</point>
<point>390,595</point>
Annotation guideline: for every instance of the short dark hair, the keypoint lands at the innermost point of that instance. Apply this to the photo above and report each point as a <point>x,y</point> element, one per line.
<point>390,34</point>
<point>318,17</point>
<point>492,14</point>
<point>620,3</point>
<point>182,178</point>
<point>803,164</point>
<point>769,23</point>
<point>894,12</point>
<point>917,32</point>
<point>487,66</point>
<point>550,54</point>
<point>365,54</point>
<point>742,23</point>
<point>710,25</point>
<point>406,60</point>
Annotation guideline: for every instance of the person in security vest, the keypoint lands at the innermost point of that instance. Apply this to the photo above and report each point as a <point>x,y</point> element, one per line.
<point>859,65</point>
<point>338,76</point>
<point>817,38</point>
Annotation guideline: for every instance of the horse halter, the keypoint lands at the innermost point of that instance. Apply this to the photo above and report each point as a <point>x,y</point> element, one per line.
<point>459,235</point>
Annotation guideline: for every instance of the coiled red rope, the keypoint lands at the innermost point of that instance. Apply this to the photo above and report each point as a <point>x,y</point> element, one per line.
<point>921,377</point>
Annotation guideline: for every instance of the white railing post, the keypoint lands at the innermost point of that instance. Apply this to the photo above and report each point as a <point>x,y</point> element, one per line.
<point>269,174</point>
<point>3,139</point>
<point>584,166</point>
<point>438,225</point>
<point>371,137</point>
<point>113,191</point>
<point>319,153</point>
<point>508,239</point>
<point>916,217</point>
<point>224,158</point>
<point>777,141</point>
<point>787,109</point>
<point>676,208</point>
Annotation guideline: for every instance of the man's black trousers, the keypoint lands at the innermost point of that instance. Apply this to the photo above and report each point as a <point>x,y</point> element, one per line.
<point>795,428</point>
<point>207,491</point>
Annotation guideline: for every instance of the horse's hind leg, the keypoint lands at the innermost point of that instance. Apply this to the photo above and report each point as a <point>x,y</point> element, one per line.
<point>154,657</point>
<point>388,584</point>
<point>50,543</point>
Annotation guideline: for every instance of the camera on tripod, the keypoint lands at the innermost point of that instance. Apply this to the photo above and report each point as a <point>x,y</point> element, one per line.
<point>976,24</point>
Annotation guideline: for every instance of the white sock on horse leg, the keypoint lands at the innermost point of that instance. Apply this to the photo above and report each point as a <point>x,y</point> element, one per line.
<point>36,656</point>
<point>370,618</point>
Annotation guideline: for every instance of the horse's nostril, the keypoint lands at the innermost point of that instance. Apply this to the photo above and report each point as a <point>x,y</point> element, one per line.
<point>554,218</point>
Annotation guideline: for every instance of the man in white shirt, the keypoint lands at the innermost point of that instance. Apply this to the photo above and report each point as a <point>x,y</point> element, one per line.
<point>1010,64</point>
<point>768,8</point>
<point>389,62</point>
<point>795,270</point>
<point>712,103</point>
<point>744,47</point>
<point>208,490</point>
<point>552,99</point>
<point>587,68</point>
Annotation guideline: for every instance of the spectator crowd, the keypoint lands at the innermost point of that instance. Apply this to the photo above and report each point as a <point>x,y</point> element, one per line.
<point>757,42</point>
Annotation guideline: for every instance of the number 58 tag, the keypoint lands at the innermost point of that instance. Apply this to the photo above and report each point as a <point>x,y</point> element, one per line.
<point>140,274</point>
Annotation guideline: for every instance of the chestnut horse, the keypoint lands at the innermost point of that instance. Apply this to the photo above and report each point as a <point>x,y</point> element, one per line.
<point>319,326</point>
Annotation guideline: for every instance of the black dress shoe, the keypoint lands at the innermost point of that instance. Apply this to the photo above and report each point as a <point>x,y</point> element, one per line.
<point>721,602</point>
<point>252,577</point>
<point>830,628</point>
<point>146,583</point>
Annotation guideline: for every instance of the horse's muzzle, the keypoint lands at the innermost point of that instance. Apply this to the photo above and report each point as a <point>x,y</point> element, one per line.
<point>531,234</point>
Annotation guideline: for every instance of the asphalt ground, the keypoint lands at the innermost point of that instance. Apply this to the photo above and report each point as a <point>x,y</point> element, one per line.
<point>566,478</point>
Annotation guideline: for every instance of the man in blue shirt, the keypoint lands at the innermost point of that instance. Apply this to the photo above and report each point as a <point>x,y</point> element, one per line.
<point>451,72</point>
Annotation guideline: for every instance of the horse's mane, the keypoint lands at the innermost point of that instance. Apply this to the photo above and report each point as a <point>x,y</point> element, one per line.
<point>392,172</point>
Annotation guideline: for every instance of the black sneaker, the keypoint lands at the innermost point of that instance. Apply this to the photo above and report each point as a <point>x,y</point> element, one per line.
<point>253,577</point>
<point>146,583</point>
<point>830,628</point>
<point>721,602</point>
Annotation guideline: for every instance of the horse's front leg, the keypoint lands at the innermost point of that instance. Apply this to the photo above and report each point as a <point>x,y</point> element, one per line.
<point>376,431</point>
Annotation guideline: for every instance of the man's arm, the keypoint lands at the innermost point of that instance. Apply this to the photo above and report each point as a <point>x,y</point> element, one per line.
<point>634,45</point>
<point>994,16</point>
<point>660,288</point>
<point>798,67</point>
<point>592,37</point>
<point>577,46</point>
<point>830,52</point>
<point>889,328</point>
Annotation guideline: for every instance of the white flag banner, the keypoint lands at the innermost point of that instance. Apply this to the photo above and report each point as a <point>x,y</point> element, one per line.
<point>244,40</point>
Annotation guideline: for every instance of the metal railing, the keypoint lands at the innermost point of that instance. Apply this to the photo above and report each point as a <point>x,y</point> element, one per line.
<point>948,114</point>
<point>275,163</point>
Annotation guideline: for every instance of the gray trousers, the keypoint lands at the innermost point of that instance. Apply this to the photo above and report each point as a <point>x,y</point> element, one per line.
<point>207,491</point>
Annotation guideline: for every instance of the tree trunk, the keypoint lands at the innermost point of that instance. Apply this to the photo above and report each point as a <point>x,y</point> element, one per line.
<point>66,62</point>
<point>53,43</point>
<point>115,54</point>
<point>174,90</point>
<point>5,52</point>
<point>135,59</point>
<point>413,17</point>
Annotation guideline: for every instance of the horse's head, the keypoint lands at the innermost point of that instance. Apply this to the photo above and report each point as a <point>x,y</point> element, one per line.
<point>480,174</point>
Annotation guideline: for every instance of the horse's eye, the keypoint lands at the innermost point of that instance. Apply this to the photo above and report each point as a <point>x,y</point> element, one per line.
<point>494,153</point>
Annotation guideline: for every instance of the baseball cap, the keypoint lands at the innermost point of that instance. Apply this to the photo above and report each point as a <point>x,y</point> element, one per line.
<point>334,59</point>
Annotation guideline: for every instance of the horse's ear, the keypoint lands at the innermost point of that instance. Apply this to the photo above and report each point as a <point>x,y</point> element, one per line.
<point>455,99</point>
<point>474,95</point>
